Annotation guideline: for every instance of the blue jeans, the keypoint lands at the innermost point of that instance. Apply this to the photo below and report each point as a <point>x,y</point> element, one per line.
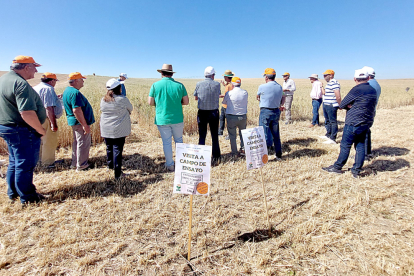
<point>353,135</point>
<point>222,120</point>
<point>167,132</point>
<point>316,104</point>
<point>24,145</point>
<point>114,148</point>
<point>331,124</point>
<point>269,120</point>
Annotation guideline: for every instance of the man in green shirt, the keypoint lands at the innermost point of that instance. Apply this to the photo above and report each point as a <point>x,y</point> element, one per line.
<point>168,96</point>
<point>21,117</point>
<point>80,117</point>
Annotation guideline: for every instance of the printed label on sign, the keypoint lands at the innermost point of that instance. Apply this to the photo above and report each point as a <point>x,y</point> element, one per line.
<point>255,147</point>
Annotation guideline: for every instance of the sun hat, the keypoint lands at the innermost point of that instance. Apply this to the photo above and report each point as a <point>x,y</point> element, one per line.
<point>236,80</point>
<point>209,71</point>
<point>166,68</point>
<point>361,74</point>
<point>112,83</point>
<point>48,75</point>
<point>269,71</point>
<point>369,70</point>
<point>76,76</point>
<point>329,72</point>
<point>25,59</point>
<point>228,73</point>
<point>314,76</point>
<point>123,75</point>
<point>286,74</point>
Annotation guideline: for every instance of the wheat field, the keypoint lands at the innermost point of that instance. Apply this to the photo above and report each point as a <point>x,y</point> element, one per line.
<point>323,224</point>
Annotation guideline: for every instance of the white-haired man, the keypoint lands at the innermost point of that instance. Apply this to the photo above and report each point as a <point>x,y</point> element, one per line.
<point>207,93</point>
<point>121,79</point>
<point>289,88</point>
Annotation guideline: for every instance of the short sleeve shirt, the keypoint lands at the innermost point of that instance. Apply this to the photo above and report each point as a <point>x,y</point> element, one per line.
<point>73,98</point>
<point>167,94</point>
<point>16,95</point>
<point>329,97</point>
<point>49,98</point>
<point>271,94</point>
<point>208,93</point>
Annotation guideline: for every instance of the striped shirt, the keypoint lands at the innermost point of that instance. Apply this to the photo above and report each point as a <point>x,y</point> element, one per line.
<point>329,97</point>
<point>115,120</point>
<point>362,99</point>
<point>49,98</point>
<point>208,92</point>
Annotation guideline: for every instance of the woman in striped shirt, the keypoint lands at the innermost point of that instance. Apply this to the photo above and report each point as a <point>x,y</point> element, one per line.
<point>115,124</point>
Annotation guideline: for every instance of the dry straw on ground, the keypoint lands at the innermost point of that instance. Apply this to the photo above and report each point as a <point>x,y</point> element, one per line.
<point>323,224</point>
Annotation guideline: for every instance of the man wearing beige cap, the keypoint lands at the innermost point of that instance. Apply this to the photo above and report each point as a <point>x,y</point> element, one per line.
<point>79,114</point>
<point>228,74</point>
<point>289,88</point>
<point>21,117</point>
<point>168,96</point>
<point>316,96</point>
<point>51,102</point>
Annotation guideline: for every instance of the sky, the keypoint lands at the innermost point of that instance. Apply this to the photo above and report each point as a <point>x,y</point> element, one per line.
<point>136,37</point>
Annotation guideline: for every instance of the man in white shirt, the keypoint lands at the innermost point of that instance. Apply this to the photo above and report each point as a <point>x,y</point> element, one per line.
<point>289,88</point>
<point>316,96</point>
<point>236,101</point>
<point>54,110</point>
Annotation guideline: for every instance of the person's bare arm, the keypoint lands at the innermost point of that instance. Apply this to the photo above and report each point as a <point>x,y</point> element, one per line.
<point>81,118</point>
<point>282,103</point>
<point>50,113</point>
<point>338,96</point>
<point>30,117</point>
<point>258,97</point>
<point>151,101</point>
<point>185,100</point>
<point>322,89</point>
<point>196,98</point>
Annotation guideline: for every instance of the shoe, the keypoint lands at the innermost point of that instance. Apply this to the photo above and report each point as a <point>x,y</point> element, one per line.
<point>332,169</point>
<point>323,137</point>
<point>215,161</point>
<point>170,168</point>
<point>123,175</point>
<point>220,134</point>
<point>52,166</point>
<point>277,159</point>
<point>242,152</point>
<point>13,199</point>
<point>227,137</point>
<point>85,168</point>
<point>270,149</point>
<point>329,141</point>
<point>355,175</point>
<point>311,125</point>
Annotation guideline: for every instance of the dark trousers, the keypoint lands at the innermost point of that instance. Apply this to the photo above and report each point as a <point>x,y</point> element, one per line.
<point>353,135</point>
<point>316,104</point>
<point>222,119</point>
<point>269,120</point>
<point>209,117</point>
<point>331,124</point>
<point>114,148</point>
<point>368,149</point>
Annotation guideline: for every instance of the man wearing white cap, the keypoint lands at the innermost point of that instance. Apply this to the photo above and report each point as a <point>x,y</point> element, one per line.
<point>207,93</point>
<point>289,88</point>
<point>360,105</point>
<point>373,82</point>
<point>121,79</point>
<point>316,96</point>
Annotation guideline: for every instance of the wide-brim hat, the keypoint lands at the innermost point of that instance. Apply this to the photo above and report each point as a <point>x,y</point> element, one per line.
<point>228,73</point>
<point>313,76</point>
<point>166,68</point>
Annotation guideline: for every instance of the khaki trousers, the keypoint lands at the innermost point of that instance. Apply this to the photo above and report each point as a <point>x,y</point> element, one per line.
<point>48,145</point>
<point>80,148</point>
<point>288,107</point>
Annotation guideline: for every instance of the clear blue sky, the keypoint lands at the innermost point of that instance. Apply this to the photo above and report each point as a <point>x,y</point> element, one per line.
<point>137,37</point>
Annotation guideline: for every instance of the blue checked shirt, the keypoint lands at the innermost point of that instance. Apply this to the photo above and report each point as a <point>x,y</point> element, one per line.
<point>208,93</point>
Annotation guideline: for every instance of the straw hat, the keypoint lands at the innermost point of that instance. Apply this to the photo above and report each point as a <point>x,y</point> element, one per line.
<point>228,73</point>
<point>166,68</point>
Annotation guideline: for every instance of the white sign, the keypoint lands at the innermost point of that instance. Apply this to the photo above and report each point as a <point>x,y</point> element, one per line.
<point>255,147</point>
<point>192,169</point>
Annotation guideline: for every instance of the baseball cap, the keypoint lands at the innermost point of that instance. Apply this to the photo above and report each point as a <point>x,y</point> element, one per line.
<point>112,83</point>
<point>228,73</point>
<point>209,71</point>
<point>269,71</point>
<point>369,70</point>
<point>123,75</point>
<point>361,74</point>
<point>75,76</point>
<point>48,75</point>
<point>314,76</point>
<point>286,74</point>
<point>329,72</point>
<point>25,59</point>
<point>236,80</point>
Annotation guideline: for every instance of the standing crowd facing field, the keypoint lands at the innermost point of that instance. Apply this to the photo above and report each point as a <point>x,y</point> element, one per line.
<point>28,117</point>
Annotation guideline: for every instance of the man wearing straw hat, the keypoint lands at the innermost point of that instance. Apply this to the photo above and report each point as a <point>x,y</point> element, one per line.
<point>289,88</point>
<point>207,93</point>
<point>168,96</point>
<point>79,114</point>
<point>228,74</point>
<point>51,102</point>
<point>316,96</point>
<point>21,117</point>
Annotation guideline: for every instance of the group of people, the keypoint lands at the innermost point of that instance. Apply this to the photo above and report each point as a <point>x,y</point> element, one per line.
<point>28,117</point>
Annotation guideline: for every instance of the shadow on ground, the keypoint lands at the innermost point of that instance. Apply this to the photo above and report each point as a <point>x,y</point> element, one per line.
<point>307,153</point>
<point>390,151</point>
<point>259,235</point>
<point>385,166</point>
<point>300,141</point>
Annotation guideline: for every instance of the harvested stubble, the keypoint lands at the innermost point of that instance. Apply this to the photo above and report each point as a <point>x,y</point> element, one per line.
<point>324,224</point>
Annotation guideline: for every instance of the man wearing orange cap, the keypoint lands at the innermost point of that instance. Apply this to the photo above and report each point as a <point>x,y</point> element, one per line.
<point>79,114</point>
<point>289,88</point>
<point>271,99</point>
<point>51,102</point>
<point>21,117</point>
<point>331,101</point>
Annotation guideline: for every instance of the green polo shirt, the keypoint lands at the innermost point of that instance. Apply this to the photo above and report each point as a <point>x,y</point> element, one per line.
<point>16,95</point>
<point>73,98</point>
<point>168,94</point>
